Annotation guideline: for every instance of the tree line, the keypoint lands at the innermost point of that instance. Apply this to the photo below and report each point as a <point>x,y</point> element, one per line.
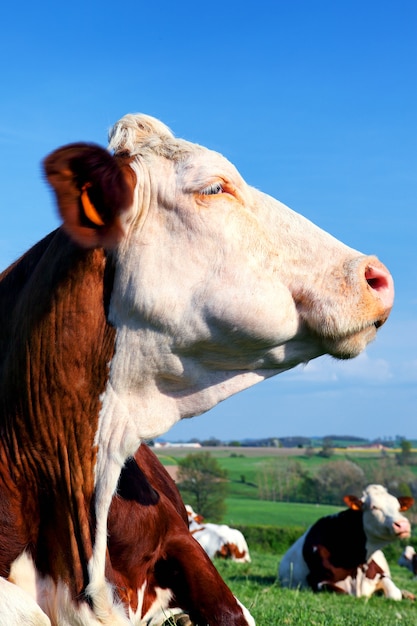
<point>292,482</point>
<point>203,483</point>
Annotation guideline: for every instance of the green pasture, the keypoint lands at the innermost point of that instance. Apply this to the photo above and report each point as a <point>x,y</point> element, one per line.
<point>244,466</point>
<point>256,586</point>
<point>244,511</point>
<point>255,583</point>
<point>246,463</point>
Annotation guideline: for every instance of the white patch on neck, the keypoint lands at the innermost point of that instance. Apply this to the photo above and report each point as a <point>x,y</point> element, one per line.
<point>56,601</point>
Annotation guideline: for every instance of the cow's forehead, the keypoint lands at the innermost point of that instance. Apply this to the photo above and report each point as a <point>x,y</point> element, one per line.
<point>145,138</point>
<point>202,166</point>
<point>378,496</point>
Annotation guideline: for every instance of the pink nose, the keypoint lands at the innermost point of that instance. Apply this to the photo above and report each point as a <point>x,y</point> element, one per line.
<point>381,282</point>
<point>402,527</point>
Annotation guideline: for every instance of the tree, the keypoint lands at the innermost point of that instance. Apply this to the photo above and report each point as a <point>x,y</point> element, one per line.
<point>202,483</point>
<point>279,481</point>
<point>336,479</point>
<point>405,456</point>
<point>327,448</point>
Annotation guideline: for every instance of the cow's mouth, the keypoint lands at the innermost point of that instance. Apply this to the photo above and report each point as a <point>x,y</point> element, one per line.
<point>403,534</point>
<point>352,345</point>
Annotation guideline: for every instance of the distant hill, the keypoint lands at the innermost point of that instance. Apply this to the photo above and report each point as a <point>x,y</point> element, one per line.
<point>337,441</point>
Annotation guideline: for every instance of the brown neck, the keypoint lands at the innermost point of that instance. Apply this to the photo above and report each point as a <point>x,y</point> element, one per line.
<point>50,384</point>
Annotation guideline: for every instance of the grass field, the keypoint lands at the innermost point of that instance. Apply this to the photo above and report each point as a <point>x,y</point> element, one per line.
<point>244,465</point>
<point>256,587</point>
<point>255,583</point>
<point>246,512</point>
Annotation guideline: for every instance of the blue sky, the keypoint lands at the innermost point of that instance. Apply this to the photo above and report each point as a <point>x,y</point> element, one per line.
<point>314,102</point>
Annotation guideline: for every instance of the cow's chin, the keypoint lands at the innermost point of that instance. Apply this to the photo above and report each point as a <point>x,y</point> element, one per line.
<point>350,346</point>
<point>405,534</point>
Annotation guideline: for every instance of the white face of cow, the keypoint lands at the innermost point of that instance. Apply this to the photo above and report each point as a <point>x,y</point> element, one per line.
<point>382,518</point>
<point>219,286</point>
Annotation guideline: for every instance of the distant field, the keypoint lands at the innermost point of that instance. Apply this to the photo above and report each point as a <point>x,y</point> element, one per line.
<point>243,504</point>
<point>261,512</point>
<point>244,466</point>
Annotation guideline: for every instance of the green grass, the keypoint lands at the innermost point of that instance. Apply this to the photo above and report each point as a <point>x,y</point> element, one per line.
<point>255,583</point>
<point>241,511</point>
<point>256,587</point>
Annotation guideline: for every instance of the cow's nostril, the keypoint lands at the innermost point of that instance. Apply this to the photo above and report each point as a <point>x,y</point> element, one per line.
<point>380,281</point>
<point>377,278</point>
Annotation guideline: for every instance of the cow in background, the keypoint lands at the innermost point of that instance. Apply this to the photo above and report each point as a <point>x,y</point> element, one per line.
<point>370,577</point>
<point>338,551</point>
<point>218,540</point>
<point>408,559</point>
<point>171,285</point>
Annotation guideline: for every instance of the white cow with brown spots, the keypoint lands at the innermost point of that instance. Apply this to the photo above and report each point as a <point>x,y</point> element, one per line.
<point>218,540</point>
<point>342,552</point>
<point>171,285</point>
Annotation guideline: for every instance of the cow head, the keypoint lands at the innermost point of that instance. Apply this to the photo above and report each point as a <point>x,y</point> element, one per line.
<point>194,519</point>
<point>382,519</point>
<point>217,285</point>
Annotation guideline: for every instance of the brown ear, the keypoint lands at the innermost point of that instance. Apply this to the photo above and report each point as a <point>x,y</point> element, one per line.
<point>92,192</point>
<point>406,502</point>
<point>353,503</point>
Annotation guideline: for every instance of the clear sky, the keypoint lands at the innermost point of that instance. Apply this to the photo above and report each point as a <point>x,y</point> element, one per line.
<point>314,102</point>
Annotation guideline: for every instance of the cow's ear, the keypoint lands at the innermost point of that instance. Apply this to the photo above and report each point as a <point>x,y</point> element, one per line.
<point>353,503</point>
<point>93,192</point>
<point>406,502</point>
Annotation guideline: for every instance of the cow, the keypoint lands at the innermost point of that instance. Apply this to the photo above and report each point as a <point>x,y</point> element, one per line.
<point>152,555</point>
<point>369,578</point>
<point>408,559</point>
<point>218,540</point>
<point>170,285</point>
<point>342,552</point>
<point>155,551</point>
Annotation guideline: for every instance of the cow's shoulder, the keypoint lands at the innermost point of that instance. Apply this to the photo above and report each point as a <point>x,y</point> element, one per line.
<point>342,535</point>
<point>158,476</point>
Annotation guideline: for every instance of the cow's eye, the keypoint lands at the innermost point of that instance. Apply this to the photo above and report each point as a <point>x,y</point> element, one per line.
<point>212,190</point>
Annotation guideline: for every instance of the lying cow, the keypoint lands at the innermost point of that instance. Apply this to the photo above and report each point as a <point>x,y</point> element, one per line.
<point>408,559</point>
<point>171,285</point>
<point>218,540</point>
<point>339,549</point>
<point>369,578</point>
<point>152,556</point>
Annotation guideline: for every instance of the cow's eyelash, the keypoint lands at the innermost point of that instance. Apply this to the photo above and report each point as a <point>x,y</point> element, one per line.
<point>212,189</point>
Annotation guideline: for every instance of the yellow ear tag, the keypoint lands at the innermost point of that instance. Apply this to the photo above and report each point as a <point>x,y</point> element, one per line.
<point>89,209</point>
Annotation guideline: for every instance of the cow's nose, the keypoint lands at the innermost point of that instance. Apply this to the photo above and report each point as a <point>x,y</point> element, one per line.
<point>381,283</point>
<point>380,280</point>
<point>402,528</point>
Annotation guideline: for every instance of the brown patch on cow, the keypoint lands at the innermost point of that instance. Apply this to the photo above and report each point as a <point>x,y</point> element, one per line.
<point>336,573</point>
<point>149,541</point>
<point>230,551</point>
<point>373,570</point>
<point>55,346</point>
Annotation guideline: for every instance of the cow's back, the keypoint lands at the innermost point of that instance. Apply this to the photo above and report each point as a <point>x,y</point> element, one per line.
<point>13,281</point>
<point>332,546</point>
<point>342,535</point>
